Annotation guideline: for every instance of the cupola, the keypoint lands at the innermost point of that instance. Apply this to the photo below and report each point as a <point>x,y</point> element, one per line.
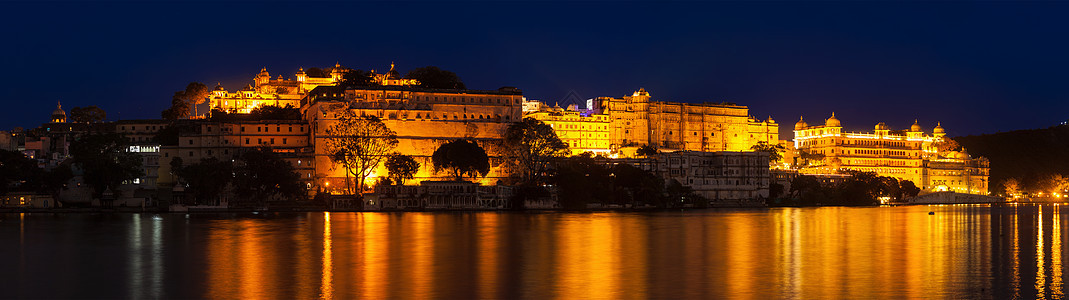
<point>832,122</point>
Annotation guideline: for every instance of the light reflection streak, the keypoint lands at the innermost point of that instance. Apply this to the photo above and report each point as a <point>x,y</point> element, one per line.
<point>1056,254</point>
<point>374,255</point>
<point>488,249</point>
<point>1015,253</point>
<point>1041,280</point>
<point>326,286</point>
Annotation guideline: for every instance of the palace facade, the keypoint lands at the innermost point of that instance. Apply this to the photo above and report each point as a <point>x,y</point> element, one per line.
<point>904,154</point>
<point>423,119</point>
<point>621,125</point>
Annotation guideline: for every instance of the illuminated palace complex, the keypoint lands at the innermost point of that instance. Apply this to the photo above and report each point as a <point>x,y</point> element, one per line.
<point>904,154</point>
<point>279,91</point>
<point>620,125</point>
<point>423,118</point>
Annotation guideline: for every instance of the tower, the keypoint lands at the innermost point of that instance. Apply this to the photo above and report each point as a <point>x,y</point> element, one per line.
<point>58,115</point>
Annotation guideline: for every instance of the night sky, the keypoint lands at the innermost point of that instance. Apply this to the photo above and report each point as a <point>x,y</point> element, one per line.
<point>977,67</point>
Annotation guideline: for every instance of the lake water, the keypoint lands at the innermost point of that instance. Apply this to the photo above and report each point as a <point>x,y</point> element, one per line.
<point>807,253</point>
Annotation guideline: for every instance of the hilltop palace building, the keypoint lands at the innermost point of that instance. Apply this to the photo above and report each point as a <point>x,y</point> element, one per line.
<point>904,154</point>
<point>621,125</point>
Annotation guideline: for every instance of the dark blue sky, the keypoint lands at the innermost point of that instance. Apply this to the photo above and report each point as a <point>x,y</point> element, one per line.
<point>977,67</point>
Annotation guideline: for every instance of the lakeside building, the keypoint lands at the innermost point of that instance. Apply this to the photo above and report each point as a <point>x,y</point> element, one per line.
<point>724,177</point>
<point>423,119</point>
<point>908,154</point>
<point>621,125</point>
<point>227,140</point>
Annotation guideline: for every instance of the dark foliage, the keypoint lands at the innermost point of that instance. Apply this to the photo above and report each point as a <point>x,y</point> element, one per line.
<point>90,114</point>
<point>274,112</point>
<point>18,172</point>
<point>206,179</point>
<point>433,77</point>
<point>1031,156</point>
<point>401,167</point>
<point>461,158</point>
<point>646,150</point>
<point>357,78</point>
<point>105,160</point>
<point>262,174</point>
<point>861,188</point>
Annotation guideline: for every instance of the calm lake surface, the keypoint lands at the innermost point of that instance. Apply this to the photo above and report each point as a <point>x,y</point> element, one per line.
<point>808,253</point>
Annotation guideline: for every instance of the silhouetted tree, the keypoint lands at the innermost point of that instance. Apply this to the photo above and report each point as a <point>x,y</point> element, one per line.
<point>947,144</point>
<point>274,112</point>
<point>90,114</point>
<point>646,150</point>
<point>206,179</point>
<point>461,158</point>
<point>529,145</point>
<point>359,144</point>
<point>1011,186</point>
<point>17,172</point>
<point>179,108</point>
<point>774,151</point>
<point>105,160</point>
<point>401,167</point>
<point>357,78</point>
<point>195,94</point>
<point>262,174</point>
<point>909,189</point>
<point>433,77</point>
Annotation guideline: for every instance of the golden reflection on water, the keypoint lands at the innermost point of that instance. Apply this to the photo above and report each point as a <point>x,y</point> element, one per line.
<point>327,282</point>
<point>800,253</point>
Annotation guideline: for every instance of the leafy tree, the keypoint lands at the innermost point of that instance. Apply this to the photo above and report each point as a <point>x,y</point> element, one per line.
<point>90,114</point>
<point>774,151</point>
<point>909,189</point>
<point>808,158</point>
<point>1057,183</point>
<point>105,160</point>
<point>530,144</point>
<point>775,190</point>
<point>642,186</point>
<point>357,78</point>
<point>401,167</point>
<point>56,179</point>
<point>17,172</point>
<point>262,174</point>
<point>580,180</point>
<point>274,112</point>
<point>947,144</point>
<point>206,179</point>
<point>461,158</point>
<point>195,94</point>
<point>433,77</point>
<point>317,72</point>
<point>1012,186</point>
<point>646,150</point>
<point>179,108</point>
<point>359,144</point>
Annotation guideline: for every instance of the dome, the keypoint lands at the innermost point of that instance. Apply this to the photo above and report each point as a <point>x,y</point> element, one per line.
<point>800,125</point>
<point>916,126</point>
<point>219,86</point>
<point>59,110</point>
<point>881,126</point>
<point>938,128</point>
<point>771,121</point>
<point>832,122</point>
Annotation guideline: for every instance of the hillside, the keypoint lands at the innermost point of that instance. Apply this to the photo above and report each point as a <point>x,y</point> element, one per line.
<point>1029,155</point>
